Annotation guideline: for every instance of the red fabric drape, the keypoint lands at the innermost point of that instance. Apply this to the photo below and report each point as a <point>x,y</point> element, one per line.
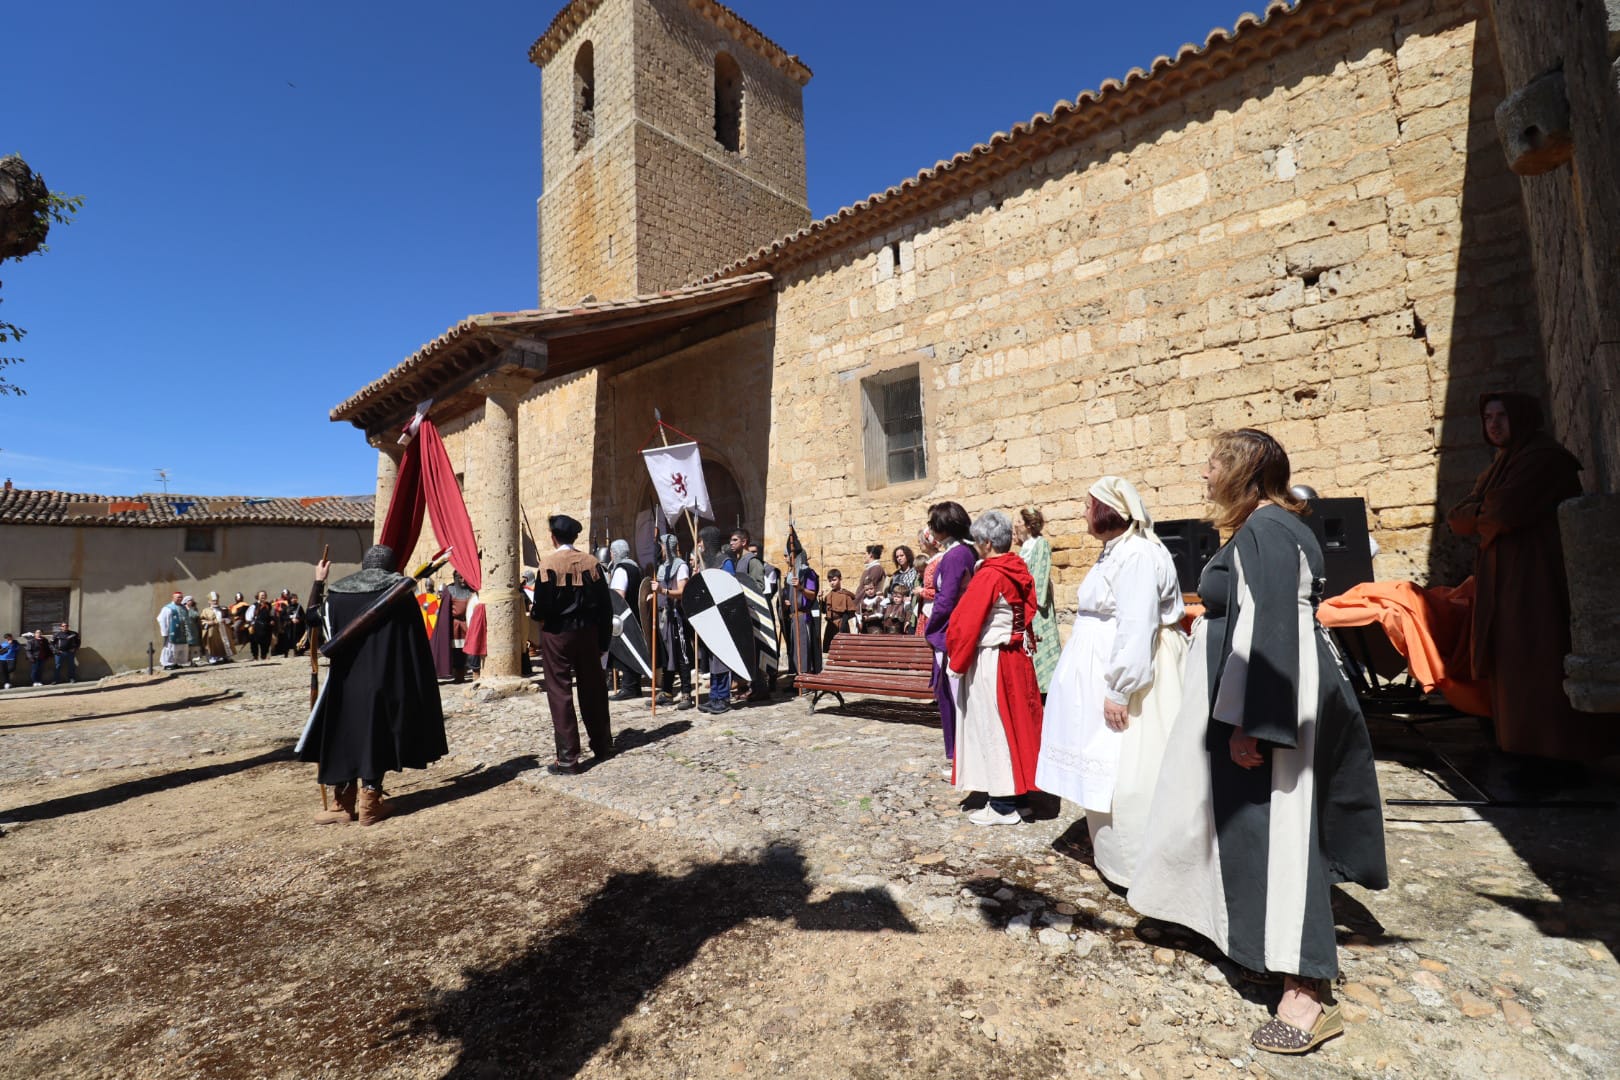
<point>427,484</point>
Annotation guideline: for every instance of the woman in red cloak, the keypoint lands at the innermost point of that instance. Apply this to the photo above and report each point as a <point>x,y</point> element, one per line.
<point>998,702</point>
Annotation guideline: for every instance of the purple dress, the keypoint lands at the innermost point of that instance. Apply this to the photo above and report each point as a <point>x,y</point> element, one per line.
<point>950,582</point>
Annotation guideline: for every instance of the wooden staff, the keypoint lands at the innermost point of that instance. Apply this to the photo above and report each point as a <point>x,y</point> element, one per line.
<point>315,671</point>
<point>656,564</point>
<point>691,523</point>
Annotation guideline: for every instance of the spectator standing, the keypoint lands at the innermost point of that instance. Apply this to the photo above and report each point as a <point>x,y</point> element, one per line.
<point>873,572</point>
<point>216,631</point>
<point>8,660</point>
<point>1036,551</point>
<point>998,725</point>
<point>193,632</point>
<point>238,610</point>
<point>575,613</point>
<point>260,619</point>
<point>37,647</point>
<point>65,646</point>
<point>950,525</point>
<point>928,548</point>
<point>838,608</point>
<point>172,625</point>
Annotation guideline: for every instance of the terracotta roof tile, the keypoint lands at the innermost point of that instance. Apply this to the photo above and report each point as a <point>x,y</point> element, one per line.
<point>1286,25</point>
<point>426,363</point>
<point>20,506</point>
<point>571,17</point>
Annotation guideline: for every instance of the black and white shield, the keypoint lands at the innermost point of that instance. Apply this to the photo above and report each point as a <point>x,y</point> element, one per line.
<point>767,654</point>
<point>718,608</point>
<point>628,646</point>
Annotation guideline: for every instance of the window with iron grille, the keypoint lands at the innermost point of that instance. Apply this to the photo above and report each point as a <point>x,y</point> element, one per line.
<point>892,427</point>
<point>44,609</point>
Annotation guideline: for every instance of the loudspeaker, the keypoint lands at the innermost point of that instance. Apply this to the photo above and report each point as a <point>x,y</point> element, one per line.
<point>1191,543</point>
<point>1340,526</point>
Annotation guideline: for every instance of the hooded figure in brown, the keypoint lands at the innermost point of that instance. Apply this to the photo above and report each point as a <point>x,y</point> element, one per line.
<point>1521,608</point>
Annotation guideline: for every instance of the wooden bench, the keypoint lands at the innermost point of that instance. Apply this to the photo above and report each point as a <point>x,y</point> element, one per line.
<point>881,665</point>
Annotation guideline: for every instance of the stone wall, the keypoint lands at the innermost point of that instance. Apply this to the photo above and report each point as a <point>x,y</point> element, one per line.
<point>652,200</point>
<point>1289,248</point>
<point>1574,220</point>
<point>699,206</point>
<point>119,577</point>
<point>588,205</point>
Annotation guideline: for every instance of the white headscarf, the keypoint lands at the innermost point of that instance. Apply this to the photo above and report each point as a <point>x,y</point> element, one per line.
<point>1121,496</point>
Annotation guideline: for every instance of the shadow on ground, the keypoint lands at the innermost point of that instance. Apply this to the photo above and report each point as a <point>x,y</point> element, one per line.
<point>474,781</point>
<point>196,701</point>
<point>149,785</point>
<point>551,1009</point>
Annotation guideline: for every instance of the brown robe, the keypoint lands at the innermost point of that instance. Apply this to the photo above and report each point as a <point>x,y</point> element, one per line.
<point>1521,608</point>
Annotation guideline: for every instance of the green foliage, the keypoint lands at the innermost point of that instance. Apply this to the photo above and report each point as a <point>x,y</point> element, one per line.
<point>33,209</point>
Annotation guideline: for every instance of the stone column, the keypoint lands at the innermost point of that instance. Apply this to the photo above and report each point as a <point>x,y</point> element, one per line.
<point>493,468</point>
<point>389,453</point>
<point>1590,525</point>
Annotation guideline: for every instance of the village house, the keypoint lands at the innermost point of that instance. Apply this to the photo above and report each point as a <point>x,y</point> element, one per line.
<point>1307,223</point>
<point>106,564</point>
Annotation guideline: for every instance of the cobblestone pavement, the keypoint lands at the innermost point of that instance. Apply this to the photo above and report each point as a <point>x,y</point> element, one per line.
<point>1491,954</point>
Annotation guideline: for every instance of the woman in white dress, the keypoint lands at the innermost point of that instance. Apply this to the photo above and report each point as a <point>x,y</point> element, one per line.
<point>1117,687</point>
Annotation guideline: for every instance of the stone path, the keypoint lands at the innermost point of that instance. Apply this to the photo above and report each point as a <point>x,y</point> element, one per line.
<point>1492,953</point>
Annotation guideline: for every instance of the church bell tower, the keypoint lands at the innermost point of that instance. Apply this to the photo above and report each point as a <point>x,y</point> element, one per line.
<point>672,143</point>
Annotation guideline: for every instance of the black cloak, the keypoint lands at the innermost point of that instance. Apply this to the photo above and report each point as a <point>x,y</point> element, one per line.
<point>379,710</point>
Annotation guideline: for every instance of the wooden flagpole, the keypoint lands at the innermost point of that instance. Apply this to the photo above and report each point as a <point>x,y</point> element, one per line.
<point>801,654</point>
<point>315,672</point>
<point>657,562</point>
<point>691,523</point>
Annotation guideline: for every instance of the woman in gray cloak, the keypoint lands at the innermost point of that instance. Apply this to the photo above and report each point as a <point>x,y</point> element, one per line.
<point>1267,796</point>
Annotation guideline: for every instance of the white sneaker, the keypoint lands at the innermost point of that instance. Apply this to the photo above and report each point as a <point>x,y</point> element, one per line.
<point>986,816</point>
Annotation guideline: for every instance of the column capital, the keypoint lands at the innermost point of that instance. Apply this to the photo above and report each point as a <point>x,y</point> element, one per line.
<point>507,384</point>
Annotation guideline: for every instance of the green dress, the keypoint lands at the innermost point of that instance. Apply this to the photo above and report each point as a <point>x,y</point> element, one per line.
<point>1037,554</point>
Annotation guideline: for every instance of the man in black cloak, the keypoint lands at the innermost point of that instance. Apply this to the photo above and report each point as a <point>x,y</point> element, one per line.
<point>379,710</point>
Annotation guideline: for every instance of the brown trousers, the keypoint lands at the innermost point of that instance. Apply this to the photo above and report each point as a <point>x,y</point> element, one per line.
<point>566,656</point>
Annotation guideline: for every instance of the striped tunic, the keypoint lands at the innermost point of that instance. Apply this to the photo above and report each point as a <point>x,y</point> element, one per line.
<point>1248,857</point>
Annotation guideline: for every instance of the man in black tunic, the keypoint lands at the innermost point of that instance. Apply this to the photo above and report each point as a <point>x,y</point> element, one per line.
<point>575,613</point>
<point>379,710</point>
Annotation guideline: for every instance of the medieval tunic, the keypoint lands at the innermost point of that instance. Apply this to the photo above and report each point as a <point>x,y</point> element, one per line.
<point>1521,598</point>
<point>998,705</point>
<point>172,625</point>
<point>1127,647</point>
<point>1247,857</point>
<point>1037,555</point>
<point>216,635</point>
<point>379,709</point>
<point>950,582</point>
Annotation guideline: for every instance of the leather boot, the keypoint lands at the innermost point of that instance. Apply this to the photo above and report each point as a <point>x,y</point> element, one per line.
<point>373,807</point>
<point>343,808</point>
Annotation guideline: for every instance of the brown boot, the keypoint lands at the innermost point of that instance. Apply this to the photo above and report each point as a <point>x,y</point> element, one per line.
<point>343,810</point>
<point>373,807</point>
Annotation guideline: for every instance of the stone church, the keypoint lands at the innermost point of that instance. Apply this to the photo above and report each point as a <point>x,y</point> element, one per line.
<point>1307,223</point>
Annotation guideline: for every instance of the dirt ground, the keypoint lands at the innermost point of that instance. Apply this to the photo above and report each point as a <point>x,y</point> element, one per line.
<point>769,893</point>
<point>161,921</point>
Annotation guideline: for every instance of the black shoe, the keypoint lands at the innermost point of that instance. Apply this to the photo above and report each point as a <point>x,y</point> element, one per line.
<point>557,768</point>
<point>626,695</point>
<point>664,698</point>
<point>713,707</point>
<point>685,702</point>
<point>599,756</point>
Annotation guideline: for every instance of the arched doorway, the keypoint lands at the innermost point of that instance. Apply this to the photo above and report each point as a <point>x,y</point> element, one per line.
<point>725,496</point>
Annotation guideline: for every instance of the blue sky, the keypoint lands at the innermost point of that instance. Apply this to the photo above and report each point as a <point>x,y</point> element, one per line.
<point>284,200</point>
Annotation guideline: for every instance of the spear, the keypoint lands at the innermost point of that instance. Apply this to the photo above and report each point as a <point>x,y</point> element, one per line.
<point>315,671</point>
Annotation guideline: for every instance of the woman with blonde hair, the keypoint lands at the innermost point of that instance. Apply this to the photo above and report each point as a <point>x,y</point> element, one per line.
<point>1036,551</point>
<point>1267,796</point>
<point>1117,688</point>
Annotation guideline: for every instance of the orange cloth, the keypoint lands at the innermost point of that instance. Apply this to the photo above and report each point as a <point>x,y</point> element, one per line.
<point>1432,628</point>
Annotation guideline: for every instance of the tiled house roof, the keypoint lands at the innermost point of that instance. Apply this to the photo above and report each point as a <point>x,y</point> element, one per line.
<point>1286,25</point>
<point>24,507</point>
<point>571,17</point>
